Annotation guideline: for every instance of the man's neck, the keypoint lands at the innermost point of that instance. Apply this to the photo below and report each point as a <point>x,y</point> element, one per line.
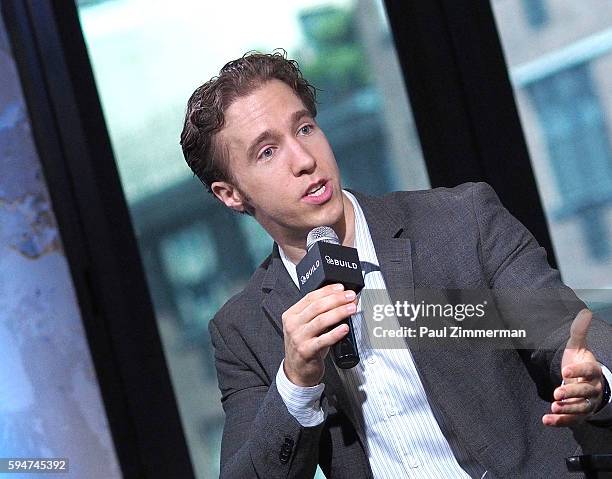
<point>345,229</point>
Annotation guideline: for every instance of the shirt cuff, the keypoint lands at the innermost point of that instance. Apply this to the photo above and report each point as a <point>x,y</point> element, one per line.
<point>303,403</point>
<point>605,413</point>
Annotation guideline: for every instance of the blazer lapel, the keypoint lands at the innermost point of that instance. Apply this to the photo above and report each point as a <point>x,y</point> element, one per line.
<point>393,247</point>
<point>280,291</point>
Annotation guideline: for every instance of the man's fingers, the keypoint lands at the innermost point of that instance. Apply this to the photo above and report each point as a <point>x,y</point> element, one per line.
<point>579,330</point>
<point>573,406</point>
<point>562,420</point>
<point>577,398</point>
<point>327,303</point>
<point>328,339</point>
<point>587,371</point>
<point>314,296</point>
<point>577,390</point>
<point>325,321</point>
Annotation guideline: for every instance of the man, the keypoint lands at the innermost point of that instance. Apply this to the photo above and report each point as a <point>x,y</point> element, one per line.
<point>250,135</point>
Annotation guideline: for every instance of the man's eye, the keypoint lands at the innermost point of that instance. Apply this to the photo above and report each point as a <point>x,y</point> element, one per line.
<point>306,130</point>
<point>267,153</point>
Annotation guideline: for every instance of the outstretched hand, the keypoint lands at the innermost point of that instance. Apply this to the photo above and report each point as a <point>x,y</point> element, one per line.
<point>581,392</point>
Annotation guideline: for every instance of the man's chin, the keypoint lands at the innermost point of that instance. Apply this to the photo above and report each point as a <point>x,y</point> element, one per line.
<point>330,216</point>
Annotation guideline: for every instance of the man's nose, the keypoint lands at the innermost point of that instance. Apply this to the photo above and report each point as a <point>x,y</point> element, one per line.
<point>302,161</point>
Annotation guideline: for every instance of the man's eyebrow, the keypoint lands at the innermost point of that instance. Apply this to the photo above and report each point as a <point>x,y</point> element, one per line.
<point>264,135</point>
<point>298,115</point>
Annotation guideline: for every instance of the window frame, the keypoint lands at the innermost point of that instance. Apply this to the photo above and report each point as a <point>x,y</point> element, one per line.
<point>98,238</point>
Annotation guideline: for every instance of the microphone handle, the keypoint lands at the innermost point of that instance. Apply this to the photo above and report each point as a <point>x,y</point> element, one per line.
<point>345,352</point>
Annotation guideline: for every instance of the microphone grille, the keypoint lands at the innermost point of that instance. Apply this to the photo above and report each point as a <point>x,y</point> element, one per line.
<point>321,233</point>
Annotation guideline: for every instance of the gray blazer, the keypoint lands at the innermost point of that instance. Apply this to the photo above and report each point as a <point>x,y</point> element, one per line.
<point>490,401</point>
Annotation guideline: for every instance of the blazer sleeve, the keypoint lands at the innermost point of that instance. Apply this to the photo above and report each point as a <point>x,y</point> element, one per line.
<point>513,261</point>
<point>260,437</point>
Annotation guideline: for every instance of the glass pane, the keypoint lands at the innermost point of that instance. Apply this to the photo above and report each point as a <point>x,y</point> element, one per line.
<point>560,57</point>
<point>148,57</point>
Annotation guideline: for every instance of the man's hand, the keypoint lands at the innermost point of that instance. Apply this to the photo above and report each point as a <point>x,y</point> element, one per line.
<point>581,392</point>
<point>306,327</point>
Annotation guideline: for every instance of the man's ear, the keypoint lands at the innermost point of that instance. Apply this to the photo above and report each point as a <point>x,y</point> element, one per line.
<point>228,194</point>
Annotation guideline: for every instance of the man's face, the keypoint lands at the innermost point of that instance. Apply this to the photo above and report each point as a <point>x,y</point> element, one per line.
<point>282,164</point>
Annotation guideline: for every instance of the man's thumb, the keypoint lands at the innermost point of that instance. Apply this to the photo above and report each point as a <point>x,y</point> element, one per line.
<point>579,330</point>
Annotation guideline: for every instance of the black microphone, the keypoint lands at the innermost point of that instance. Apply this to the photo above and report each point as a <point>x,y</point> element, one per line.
<point>328,262</point>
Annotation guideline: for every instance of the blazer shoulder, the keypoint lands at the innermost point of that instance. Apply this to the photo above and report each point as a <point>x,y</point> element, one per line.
<point>463,192</point>
<point>442,198</point>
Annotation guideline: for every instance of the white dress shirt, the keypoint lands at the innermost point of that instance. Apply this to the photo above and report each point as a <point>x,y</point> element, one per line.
<point>403,437</point>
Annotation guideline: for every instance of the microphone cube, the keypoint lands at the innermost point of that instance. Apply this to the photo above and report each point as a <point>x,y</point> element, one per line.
<point>328,263</point>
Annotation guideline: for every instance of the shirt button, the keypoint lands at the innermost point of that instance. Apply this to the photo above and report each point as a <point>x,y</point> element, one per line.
<point>391,411</point>
<point>371,358</point>
<point>412,462</point>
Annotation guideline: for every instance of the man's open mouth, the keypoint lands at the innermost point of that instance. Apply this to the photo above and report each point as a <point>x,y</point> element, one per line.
<point>317,190</point>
